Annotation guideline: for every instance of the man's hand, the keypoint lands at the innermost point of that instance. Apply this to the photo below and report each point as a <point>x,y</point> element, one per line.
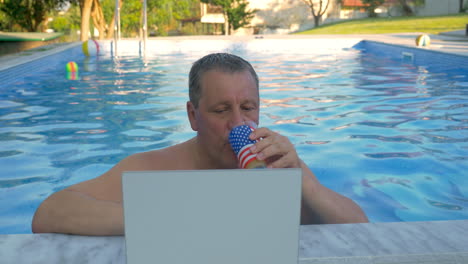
<point>275,149</point>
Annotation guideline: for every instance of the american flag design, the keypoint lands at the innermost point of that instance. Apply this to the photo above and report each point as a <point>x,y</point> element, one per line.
<point>241,144</point>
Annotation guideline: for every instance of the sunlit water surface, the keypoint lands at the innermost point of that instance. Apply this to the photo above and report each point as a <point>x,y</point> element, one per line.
<point>390,135</point>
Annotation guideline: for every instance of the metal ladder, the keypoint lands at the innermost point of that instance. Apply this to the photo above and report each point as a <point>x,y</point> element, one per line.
<point>117,28</point>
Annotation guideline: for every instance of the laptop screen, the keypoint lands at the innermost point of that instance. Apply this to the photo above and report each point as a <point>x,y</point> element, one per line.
<point>212,216</point>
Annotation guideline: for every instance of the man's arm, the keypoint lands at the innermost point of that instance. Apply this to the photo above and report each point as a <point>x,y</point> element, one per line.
<point>75,212</point>
<point>320,205</point>
<point>92,207</point>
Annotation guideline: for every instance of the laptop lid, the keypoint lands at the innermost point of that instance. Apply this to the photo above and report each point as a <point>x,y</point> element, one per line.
<point>212,216</point>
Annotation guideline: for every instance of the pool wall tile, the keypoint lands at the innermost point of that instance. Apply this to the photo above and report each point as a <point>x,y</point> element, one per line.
<point>54,62</point>
<point>431,60</point>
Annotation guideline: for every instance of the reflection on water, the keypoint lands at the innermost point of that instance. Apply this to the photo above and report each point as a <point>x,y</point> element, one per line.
<point>391,136</point>
<point>373,118</point>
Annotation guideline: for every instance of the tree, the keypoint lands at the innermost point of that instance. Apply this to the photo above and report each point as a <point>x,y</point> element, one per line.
<point>405,6</point>
<point>371,5</point>
<point>317,11</point>
<point>111,28</point>
<point>85,8</point>
<point>29,14</point>
<point>93,9</point>
<point>98,19</point>
<point>162,14</point>
<point>67,21</point>
<point>236,13</point>
<point>239,16</point>
<point>407,11</point>
<point>5,21</point>
<point>103,15</point>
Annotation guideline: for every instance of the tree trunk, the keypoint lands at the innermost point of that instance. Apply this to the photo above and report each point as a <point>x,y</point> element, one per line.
<point>44,24</point>
<point>320,11</point>
<point>85,16</point>
<point>226,24</point>
<point>110,30</point>
<point>98,19</point>
<point>316,21</point>
<point>38,15</point>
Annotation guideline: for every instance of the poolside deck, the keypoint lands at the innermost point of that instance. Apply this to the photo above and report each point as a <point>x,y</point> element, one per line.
<point>14,42</point>
<point>403,242</point>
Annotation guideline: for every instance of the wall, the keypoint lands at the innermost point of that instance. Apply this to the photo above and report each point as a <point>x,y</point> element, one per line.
<point>284,16</point>
<point>438,7</point>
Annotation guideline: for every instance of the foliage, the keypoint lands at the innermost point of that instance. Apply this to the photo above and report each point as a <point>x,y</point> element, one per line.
<point>162,15</point>
<point>29,14</point>
<point>429,25</point>
<point>5,22</point>
<point>236,12</point>
<point>130,18</point>
<point>239,16</point>
<point>371,5</point>
<point>67,22</point>
<point>60,24</point>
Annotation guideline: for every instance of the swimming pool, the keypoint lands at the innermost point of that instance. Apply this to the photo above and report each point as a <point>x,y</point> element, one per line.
<point>383,125</point>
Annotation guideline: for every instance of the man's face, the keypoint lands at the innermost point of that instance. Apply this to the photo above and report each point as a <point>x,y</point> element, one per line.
<point>227,100</point>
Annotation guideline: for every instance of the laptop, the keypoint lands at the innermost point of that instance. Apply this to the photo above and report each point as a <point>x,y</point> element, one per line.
<point>212,216</point>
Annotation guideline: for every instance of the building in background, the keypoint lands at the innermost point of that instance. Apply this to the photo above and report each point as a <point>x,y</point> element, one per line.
<point>286,16</point>
<point>352,9</point>
<point>212,15</point>
<point>273,16</point>
<point>438,7</point>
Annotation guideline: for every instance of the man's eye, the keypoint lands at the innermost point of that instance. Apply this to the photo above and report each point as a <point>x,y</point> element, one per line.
<point>248,108</point>
<point>220,111</point>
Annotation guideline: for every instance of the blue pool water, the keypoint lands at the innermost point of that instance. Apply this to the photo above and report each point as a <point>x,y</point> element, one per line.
<point>386,129</point>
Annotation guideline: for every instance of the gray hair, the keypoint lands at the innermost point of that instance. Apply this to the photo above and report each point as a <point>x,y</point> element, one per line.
<point>224,62</point>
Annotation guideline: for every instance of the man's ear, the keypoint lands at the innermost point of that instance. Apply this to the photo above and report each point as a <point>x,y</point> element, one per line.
<point>191,112</point>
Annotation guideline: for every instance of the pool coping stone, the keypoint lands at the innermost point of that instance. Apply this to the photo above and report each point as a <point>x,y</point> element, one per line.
<point>367,243</point>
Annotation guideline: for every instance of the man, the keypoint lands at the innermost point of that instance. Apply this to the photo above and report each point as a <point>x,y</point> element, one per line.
<point>224,92</point>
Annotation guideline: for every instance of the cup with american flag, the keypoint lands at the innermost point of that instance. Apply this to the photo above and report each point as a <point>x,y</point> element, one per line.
<point>241,144</point>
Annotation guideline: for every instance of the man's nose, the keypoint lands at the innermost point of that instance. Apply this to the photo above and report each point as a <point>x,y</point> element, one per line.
<point>237,119</point>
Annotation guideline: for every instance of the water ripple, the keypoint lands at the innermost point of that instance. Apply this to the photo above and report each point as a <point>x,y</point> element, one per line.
<point>393,155</point>
<point>12,183</point>
<point>399,139</point>
<point>444,139</point>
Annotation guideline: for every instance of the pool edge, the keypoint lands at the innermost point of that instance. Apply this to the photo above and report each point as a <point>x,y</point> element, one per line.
<point>396,242</point>
<point>13,60</point>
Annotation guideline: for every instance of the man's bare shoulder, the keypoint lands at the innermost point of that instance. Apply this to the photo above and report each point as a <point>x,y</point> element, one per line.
<point>108,185</point>
<point>171,158</point>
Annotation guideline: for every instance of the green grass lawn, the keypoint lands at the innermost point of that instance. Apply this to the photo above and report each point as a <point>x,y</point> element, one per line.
<point>430,25</point>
